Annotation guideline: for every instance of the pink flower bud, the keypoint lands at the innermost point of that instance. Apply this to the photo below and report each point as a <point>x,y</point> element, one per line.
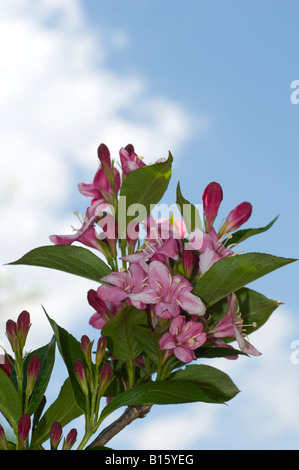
<point>104,156</point>
<point>3,441</point>
<point>190,262</point>
<point>212,197</point>
<point>81,373</point>
<point>23,325</point>
<point>237,217</point>
<point>6,362</point>
<point>70,439</point>
<point>12,334</point>
<point>101,349</point>
<point>32,373</point>
<point>55,435</point>
<point>33,366</point>
<point>24,426</point>
<point>86,346</point>
<point>105,374</point>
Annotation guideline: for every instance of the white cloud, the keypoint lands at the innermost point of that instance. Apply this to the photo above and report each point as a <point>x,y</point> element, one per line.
<point>58,102</point>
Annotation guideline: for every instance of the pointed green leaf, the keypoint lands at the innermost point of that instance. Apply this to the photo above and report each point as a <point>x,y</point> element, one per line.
<point>243,234</point>
<point>144,187</point>
<point>217,385</point>
<point>120,333</point>
<point>64,409</point>
<point>188,211</point>
<point>10,402</point>
<point>68,258</point>
<point>205,384</point>
<point>70,350</point>
<point>230,274</point>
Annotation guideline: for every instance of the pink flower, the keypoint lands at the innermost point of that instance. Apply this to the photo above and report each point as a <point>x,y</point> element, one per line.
<point>163,242</point>
<point>183,338</point>
<point>212,250</point>
<point>128,285</point>
<point>104,310</point>
<point>87,233</point>
<point>172,293</point>
<point>106,182</point>
<point>212,197</point>
<point>129,159</point>
<point>232,326</point>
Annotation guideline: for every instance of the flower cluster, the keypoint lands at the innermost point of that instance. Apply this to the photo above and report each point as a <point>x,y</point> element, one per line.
<point>158,274</point>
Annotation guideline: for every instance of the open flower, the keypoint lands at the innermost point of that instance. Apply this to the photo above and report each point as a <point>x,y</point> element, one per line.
<point>172,293</point>
<point>127,285</point>
<point>232,326</point>
<point>183,338</point>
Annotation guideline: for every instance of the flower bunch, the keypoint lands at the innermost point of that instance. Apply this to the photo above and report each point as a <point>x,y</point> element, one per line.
<point>169,292</point>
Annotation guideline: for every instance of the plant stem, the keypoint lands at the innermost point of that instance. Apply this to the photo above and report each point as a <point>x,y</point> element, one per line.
<point>131,413</point>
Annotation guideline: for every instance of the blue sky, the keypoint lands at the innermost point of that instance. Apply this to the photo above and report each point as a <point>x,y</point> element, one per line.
<point>209,81</point>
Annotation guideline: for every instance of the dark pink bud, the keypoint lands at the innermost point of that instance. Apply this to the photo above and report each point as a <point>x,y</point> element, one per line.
<point>6,362</point>
<point>3,441</point>
<point>81,372</point>
<point>23,325</point>
<point>86,346</point>
<point>70,439</point>
<point>237,217</point>
<point>12,334</point>
<point>33,367</point>
<point>190,262</point>
<point>212,197</point>
<point>101,349</point>
<point>55,435</point>
<point>106,374</point>
<point>24,426</point>
<point>104,156</point>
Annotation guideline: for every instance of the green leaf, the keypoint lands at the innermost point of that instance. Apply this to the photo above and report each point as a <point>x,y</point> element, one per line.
<point>10,402</point>
<point>64,409</point>
<point>243,234</point>
<point>217,385</point>
<point>46,355</point>
<point>205,384</point>
<point>149,342</point>
<point>144,186</point>
<point>228,275</point>
<point>255,308</point>
<point>70,350</point>
<point>120,333</point>
<point>189,212</point>
<point>68,258</point>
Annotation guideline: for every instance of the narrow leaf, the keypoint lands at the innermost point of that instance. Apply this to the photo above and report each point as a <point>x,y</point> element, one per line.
<point>142,190</point>
<point>68,258</point>
<point>189,212</point>
<point>70,350</point>
<point>243,234</point>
